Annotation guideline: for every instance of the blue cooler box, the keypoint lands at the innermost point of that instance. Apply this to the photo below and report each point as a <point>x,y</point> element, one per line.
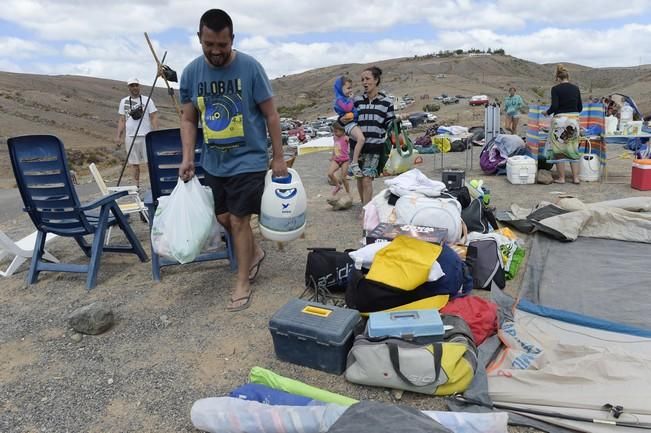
<point>422,326</point>
<point>314,335</point>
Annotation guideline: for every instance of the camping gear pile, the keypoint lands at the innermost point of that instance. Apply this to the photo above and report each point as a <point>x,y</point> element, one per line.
<point>413,325</point>
<point>495,153</point>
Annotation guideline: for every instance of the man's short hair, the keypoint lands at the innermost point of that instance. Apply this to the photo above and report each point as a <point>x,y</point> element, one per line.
<point>216,20</point>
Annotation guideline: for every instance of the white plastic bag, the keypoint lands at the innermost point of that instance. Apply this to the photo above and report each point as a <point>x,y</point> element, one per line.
<point>184,221</point>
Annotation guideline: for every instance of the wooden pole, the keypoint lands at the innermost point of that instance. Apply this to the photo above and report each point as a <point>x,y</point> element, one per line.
<point>159,64</point>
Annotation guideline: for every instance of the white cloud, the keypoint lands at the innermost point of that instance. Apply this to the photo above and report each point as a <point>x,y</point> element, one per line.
<point>608,47</point>
<point>95,19</point>
<point>17,48</point>
<point>105,39</point>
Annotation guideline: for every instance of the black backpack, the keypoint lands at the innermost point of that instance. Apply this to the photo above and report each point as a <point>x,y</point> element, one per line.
<point>326,272</point>
<point>484,262</point>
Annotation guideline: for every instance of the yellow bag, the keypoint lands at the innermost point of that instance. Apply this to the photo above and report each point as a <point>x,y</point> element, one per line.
<point>432,303</point>
<point>405,263</point>
<point>443,143</point>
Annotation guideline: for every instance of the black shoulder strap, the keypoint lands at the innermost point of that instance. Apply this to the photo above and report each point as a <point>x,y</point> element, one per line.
<point>394,356</point>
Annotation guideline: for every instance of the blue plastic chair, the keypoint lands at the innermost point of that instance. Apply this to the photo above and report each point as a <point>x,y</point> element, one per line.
<point>164,156</point>
<point>41,171</point>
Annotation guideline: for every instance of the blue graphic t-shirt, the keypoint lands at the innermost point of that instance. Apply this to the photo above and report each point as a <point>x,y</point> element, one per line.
<point>227,98</point>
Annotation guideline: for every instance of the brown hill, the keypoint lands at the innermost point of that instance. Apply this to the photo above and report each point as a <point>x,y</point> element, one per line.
<point>82,111</point>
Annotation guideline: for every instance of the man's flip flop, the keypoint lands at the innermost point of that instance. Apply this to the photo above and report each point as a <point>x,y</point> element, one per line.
<point>256,267</point>
<point>243,306</point>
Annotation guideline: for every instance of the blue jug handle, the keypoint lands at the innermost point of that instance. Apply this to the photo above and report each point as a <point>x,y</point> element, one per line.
<point>282,179</point>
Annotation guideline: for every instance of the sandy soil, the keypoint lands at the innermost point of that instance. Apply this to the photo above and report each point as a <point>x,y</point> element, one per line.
<point>173,342</point>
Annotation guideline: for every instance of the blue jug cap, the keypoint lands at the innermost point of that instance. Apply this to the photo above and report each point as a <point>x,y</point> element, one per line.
<point>282,179</point>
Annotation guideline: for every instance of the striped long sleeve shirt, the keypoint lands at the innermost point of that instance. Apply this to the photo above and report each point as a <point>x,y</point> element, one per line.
<point>373,119</point>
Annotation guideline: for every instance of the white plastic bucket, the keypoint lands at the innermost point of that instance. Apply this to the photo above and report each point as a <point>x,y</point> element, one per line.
<point>283,207</point>
<point>589,166</point>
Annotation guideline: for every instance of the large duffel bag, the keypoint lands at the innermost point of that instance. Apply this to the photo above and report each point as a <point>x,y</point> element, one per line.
<point>435,369</point>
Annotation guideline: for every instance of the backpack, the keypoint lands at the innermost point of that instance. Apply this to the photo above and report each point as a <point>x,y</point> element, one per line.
<point>431,212</point>
<point>483,260</point>
<point>489,163</point>
<point>327,270</point>
<point>478,217</point>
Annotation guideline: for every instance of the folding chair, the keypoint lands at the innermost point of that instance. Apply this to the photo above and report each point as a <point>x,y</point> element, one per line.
<point>21,251</point>
<point>41,170</point>
<point>164,155</point>
<point>128,205</point>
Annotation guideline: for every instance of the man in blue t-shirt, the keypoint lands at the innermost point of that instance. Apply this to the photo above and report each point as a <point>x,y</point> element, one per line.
<point>229,94</point>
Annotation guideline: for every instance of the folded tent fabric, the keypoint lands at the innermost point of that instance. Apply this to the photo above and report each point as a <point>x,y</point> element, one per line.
<point>232,415</point>
<point>264,394</point>
<point>269,378</point>
<point>385,418</point>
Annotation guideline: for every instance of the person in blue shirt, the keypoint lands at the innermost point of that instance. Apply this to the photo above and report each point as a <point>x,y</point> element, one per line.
<point>345,107</point>
<point>513,104</point>
<point>229,94</point>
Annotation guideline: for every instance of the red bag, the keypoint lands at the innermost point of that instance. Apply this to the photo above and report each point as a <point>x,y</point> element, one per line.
<point>479,314</point>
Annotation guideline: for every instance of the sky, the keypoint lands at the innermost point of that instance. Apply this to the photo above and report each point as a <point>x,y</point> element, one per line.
<point>106,38</point>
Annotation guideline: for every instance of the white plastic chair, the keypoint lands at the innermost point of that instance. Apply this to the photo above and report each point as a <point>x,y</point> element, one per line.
<point>129,204</point>
<point>21,250</point>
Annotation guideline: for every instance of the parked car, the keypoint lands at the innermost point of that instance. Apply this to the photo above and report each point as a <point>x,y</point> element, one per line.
<point>450,100</point>
<point>431,117</point>
<point>298,132</point>
<point>309,131</point>
<point>324,131</point>
<point>293,141</point>
<point>418,118</point>
<point>406,124</point>
<point>478,100</point>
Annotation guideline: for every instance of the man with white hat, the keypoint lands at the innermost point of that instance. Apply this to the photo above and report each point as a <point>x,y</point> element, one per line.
<point>132,113</point>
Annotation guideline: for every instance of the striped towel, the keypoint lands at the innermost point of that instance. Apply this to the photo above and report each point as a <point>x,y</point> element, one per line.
<point>593,114</point>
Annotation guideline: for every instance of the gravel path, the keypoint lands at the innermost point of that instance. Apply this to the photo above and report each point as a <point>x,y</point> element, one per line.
<point>173,342</point>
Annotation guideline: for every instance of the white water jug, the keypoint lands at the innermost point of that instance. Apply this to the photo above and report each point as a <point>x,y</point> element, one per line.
<point>589,166</point>
<point>611,125</point>
<point>625,116</point>
<point>283,207</point>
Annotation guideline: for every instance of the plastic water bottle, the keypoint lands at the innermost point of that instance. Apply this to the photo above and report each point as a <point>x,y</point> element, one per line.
<point>625,116</point>
<point>626,113</point>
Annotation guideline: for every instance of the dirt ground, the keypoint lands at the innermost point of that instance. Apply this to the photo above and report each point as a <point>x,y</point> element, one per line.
<point>173,342</point>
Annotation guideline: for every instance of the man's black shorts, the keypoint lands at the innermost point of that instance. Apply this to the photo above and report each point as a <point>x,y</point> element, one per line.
<point>239,195</point>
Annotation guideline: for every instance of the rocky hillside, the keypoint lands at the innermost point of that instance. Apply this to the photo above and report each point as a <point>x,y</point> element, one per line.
<point>82,111</point>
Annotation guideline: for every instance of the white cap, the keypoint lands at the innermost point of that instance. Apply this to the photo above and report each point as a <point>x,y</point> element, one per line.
<point>132,81</point>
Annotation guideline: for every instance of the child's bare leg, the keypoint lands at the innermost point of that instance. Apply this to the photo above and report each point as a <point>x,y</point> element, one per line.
<point>331,173</point>
<point>344,177</point>
<point>357,134</point>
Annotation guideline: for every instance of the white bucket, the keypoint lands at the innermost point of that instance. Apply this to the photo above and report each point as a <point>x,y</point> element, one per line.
<point>283,207</point>
<point>589,166</point>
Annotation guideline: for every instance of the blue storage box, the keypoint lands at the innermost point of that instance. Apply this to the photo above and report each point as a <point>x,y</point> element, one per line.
<point>314,335</point>
<point>423,326</point>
